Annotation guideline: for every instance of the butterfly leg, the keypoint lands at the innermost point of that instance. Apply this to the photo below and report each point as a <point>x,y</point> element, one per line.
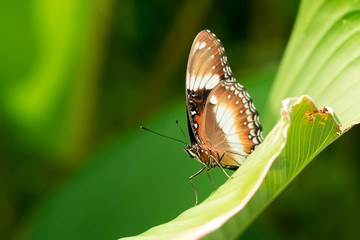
<point>218,163</point>
<point>207,172</point>
<point>190,178</point>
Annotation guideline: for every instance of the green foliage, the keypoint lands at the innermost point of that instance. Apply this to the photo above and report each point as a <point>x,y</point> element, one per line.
<point>51,58</point>
<point>46,81</point>
<point>321,60</point>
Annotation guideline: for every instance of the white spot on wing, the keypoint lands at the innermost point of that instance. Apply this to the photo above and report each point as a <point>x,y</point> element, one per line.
<point>197,45</point>
<point>226,120</point>
<point>202,45</point>
<point>252,132</point>
<point>219,113</point>
<point>250,118</point>
<point>213,100</point>
<point>205,80</point>
<point>228,127</point>
<point>197,82</point>
<point>213,81</point>
<point>192,80</point>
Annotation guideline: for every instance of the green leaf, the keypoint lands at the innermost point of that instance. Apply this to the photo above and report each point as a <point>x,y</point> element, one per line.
<point>322,60</point>
<point>311,131</point>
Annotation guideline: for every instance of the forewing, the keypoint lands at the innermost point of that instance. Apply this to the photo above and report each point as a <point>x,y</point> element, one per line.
<point>205,71</point>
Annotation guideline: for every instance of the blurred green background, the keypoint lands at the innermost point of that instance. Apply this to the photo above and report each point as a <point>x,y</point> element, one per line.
<point>78,77</point>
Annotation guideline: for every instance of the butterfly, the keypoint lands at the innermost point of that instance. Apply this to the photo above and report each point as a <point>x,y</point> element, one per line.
<point>223,123</point>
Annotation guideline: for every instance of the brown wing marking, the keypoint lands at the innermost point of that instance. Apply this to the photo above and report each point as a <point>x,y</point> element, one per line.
<point>232,124</point>
<point>206,64</point>
<point>206,68</point>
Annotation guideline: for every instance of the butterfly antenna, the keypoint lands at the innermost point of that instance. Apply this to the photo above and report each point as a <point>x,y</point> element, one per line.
<point>142,127</point>
<point>177,122</point>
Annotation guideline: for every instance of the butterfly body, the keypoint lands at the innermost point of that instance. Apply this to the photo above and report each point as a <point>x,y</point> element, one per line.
<point>205,155</point>
<point>223,123</point>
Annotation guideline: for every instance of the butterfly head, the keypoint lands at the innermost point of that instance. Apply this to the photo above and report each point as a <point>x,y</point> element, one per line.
<point>194,151</point>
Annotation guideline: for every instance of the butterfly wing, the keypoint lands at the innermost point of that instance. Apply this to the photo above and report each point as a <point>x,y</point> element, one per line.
<point>232,124</point>
<point>204,72</point>
<point>221,114</point>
